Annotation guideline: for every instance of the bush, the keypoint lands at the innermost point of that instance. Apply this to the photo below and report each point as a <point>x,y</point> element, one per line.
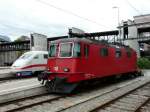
<point>143,63</point>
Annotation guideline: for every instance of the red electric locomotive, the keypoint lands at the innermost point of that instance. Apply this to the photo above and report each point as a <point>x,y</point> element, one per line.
<point>73,60</point>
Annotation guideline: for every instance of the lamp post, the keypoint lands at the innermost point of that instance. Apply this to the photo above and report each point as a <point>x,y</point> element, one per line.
<point>115,7</point>
<point>118,13</point>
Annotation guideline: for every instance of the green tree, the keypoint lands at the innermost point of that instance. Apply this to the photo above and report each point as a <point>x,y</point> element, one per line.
<point>143,63</point>
<point>21,38</point>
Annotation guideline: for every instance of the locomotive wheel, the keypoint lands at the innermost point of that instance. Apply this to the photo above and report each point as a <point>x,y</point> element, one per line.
<point>134,75</point>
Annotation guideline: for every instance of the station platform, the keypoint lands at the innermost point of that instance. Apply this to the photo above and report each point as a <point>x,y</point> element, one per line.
<point>5,72</point>
<point>14,90</point>
<point>5,67</point>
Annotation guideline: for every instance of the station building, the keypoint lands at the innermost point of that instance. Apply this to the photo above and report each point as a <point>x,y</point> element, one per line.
<point>136,33</point>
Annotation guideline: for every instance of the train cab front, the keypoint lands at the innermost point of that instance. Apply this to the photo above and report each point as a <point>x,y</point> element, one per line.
<point>62,67</point>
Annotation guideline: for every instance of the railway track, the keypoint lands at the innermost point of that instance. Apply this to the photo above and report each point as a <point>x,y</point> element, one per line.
<point>131,101</point>
<point>24,103</point>
<point>74,103</point>
<point>9,79</point>
<point>7,75</point>
<point>126,99</point>
<point>145,107</point>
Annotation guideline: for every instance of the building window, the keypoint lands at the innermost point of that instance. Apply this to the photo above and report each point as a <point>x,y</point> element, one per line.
<point>104,52</point>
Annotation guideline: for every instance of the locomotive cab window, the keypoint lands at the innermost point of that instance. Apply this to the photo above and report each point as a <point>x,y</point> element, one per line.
<point>104,51</point>
<point>52,50</point>
<point>76,51</point>
<point>65,50</point>
<point>26,56</point>
<point>118,53</point>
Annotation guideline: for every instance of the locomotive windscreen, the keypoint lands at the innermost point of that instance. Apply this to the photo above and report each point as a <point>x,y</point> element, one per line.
<point>65,50</point>
<point>69,49</point>
<point>52,50</point>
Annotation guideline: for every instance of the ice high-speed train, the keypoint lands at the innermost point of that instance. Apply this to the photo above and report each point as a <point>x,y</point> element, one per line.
<point>30,63</point>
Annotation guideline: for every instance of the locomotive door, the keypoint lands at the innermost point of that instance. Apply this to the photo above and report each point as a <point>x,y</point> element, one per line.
<point>85,58</point>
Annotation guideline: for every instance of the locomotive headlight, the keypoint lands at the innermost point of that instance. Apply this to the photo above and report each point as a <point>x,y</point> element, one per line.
<point>48,69</point>
<point>66,69</point>
<point>56,68</point>
<point>18,74</point>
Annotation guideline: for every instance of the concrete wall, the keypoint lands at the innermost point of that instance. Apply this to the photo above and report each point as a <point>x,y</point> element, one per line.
<point>132,33</point>
<point>146,47</point>
<point>142,19</point>
<point>38,42</point>
<point>9,57</point>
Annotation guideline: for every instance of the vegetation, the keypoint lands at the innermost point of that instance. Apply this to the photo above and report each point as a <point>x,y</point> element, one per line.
<point>143,63</point>
<point>19,39</point>
<point>22,38</point>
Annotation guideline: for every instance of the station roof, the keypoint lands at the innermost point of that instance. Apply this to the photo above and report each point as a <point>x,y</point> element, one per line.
<point>97,34</point>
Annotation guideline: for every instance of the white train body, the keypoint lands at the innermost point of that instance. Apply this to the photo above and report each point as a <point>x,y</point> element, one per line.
<point>30,63</point>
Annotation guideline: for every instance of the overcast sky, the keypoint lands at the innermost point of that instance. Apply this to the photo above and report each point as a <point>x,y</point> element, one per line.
<point>53,17</point>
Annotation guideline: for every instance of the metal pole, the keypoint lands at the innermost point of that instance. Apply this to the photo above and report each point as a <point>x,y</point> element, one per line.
<point>115,7</point>
<point>118,14</point>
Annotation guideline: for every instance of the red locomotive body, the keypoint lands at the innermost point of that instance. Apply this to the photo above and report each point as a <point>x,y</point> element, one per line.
<point>73,60</point>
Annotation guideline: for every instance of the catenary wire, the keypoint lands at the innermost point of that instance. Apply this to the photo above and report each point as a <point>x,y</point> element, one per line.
<point>72,13</point>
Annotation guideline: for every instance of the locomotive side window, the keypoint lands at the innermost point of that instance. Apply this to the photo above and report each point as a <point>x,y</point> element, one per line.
<point>86,50</point>
<point>76,51</point>
<point>25,56</point>
<point>52,50</point>
<point>118,53</point>
<point>104,52</point>
<point>36,57</point>
<point>65,50</point>
<point>128,51</point>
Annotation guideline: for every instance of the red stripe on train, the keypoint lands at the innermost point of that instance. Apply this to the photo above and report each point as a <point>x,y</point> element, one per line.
<point>37,65</point>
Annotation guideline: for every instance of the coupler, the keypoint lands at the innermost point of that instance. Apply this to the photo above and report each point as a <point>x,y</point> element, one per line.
<point>43,76</point>
<point>57,84</point>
